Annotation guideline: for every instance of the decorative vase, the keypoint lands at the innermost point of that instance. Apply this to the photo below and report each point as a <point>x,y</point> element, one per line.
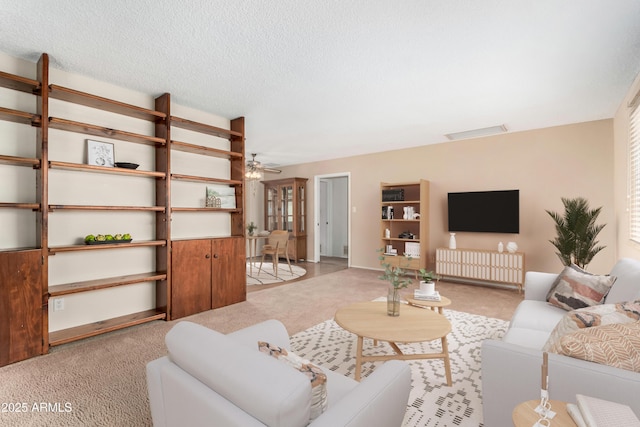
<point>452,241</point>
<point>406,213</point>
<point>393,301</point>
<point>500,247</point>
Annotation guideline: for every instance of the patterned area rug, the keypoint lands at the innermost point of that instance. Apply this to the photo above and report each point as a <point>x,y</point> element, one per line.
<point>267,275</point>
<point>431,402</point>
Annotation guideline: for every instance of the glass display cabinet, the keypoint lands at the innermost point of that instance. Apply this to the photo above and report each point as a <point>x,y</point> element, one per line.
<point>285,208</point>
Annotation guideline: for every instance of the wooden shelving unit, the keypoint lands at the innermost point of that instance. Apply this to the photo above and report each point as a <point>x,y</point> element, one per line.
<point>23,270</point>
<point>228,276</point>
<point>218,275</point>
<point>416,196</point>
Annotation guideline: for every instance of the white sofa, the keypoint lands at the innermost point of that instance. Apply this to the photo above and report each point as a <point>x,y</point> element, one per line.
<point>212,379</point>
<point>511,368</point>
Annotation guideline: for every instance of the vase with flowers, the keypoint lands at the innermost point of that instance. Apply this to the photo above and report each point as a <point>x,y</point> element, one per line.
<point>397,280</point>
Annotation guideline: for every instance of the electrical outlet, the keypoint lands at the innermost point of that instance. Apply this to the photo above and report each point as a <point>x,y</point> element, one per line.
<point>58,304</point>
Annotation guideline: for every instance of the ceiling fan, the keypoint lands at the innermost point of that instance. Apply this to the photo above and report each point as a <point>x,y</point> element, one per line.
<point>255,170</point>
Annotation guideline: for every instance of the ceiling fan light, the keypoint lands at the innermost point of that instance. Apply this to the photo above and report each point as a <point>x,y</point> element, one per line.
<point>253,174</point>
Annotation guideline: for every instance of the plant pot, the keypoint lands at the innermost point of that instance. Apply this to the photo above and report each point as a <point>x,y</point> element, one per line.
<point>427,287</point>
<point>393,302</point>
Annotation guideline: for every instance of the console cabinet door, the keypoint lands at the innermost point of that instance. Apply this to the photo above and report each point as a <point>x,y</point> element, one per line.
<point>191,277</point>
<point>20,305</point>
<point>228,270</point>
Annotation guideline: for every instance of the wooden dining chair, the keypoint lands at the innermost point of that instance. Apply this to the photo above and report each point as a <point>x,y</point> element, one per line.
<point>277,244</point>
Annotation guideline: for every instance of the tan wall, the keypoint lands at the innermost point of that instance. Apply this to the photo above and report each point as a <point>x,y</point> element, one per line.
<point>545,165</point>
<point>625,247</point>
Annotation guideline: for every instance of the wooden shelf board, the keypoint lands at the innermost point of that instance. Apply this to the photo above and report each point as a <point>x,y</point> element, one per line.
<point>19,161</point>
<point>72,248</point>
<point>184,209</point>
<point>93,101</point>
<point>21,249</point>
<point>103,169</point>
<point>205,151</point>
<point>100,131</point>
<point>19,117</point>
<point>92,329</point>
<point>33,206</point>
<point>203,128</point>
<point>110,282</point>
<point>107,208</point>
<point>193,178</point>
<point>402,202</point>
<point>23,84</point>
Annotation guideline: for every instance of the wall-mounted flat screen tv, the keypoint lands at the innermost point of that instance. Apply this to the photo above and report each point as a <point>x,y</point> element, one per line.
<point>484,211</point>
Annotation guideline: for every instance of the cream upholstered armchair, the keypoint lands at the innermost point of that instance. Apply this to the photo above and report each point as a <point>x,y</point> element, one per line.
<point>208,378</point>
<point>277,244</point>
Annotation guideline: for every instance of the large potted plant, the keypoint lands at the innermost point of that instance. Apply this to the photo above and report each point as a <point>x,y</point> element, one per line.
<point>577,231</point>
<point>397,280</point>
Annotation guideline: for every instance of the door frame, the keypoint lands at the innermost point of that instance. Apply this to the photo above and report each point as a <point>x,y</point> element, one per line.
<point>316,213</point>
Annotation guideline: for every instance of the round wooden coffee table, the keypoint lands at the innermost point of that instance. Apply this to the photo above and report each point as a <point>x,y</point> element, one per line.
<point>370,320</point>
<point>434,305</point>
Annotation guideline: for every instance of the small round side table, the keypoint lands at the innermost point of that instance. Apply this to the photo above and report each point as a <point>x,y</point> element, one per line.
<point>524,414</point>
<point>433,305</point>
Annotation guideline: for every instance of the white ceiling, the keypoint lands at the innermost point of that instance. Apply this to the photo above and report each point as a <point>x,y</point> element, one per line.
<point>325,79</point>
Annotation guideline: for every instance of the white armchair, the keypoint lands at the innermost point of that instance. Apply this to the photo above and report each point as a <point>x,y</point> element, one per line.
<point>209,378</point>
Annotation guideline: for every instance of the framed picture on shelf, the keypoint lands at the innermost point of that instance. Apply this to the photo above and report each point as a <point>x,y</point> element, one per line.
<point>100,153</point>
<point>224,197</point>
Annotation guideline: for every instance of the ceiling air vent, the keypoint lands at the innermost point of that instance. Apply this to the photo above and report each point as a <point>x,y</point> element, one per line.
<point>475,133</point>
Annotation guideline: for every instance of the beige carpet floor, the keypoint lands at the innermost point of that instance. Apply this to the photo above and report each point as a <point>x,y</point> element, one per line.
<point>101,381</point>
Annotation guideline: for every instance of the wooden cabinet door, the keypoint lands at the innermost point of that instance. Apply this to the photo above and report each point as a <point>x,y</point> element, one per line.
<point>191,277</point>
<point>228,270</point>
<point>20,305</point>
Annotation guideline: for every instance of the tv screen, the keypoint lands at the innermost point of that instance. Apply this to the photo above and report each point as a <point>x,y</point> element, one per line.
<point>485,211</point>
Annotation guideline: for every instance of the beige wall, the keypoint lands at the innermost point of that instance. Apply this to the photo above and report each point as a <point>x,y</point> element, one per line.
<point>545,165</point>
<point>626,248</point>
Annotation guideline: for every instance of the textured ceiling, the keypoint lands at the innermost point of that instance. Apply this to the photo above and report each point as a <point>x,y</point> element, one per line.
<point>325,79</point>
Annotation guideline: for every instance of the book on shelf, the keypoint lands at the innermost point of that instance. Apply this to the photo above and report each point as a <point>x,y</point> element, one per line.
<point>423,296</point>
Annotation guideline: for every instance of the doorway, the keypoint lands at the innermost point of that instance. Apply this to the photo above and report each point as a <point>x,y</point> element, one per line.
<point>332,218</point>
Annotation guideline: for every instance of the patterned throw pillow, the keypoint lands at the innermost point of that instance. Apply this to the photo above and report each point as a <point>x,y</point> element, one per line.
<point>575,288</point>
<point>616,345</point>
<point>587,317</point>
<point>317,378</point>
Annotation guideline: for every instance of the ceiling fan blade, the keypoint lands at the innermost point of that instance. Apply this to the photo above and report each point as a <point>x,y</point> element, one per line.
<point>271,170</point>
